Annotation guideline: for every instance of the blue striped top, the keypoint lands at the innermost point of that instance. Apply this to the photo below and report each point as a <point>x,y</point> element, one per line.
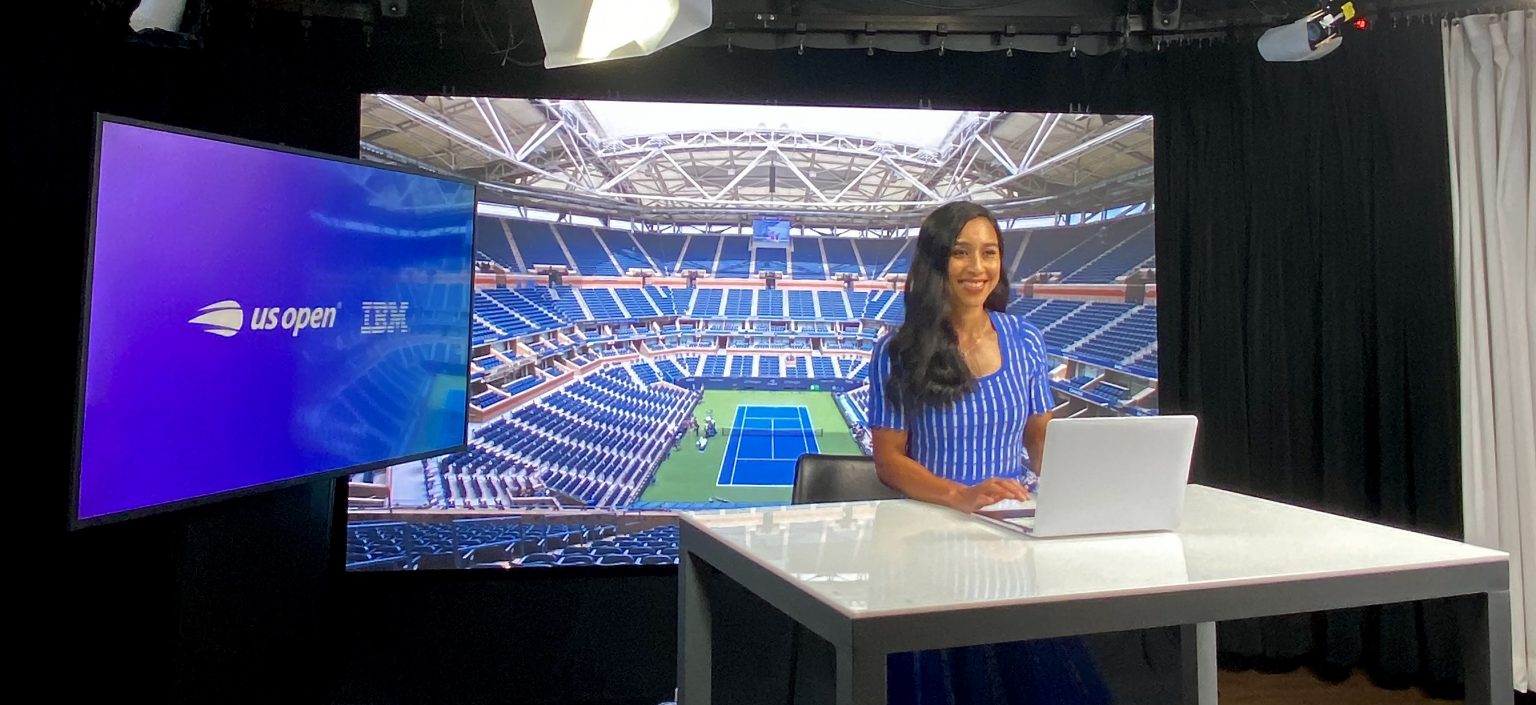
<point>982,434</point>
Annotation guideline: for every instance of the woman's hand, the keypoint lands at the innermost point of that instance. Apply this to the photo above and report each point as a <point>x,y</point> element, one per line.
<point>987,492</point>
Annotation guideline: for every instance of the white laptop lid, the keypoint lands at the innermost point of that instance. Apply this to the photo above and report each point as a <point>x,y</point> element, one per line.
<point>1114,474</point>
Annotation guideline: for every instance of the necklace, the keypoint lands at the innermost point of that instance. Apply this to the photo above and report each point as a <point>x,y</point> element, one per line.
<point>965,350</point>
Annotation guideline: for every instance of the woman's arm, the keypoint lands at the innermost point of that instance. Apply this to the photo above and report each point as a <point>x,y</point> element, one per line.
<point>907,476</point>
<point>1034,439</point>
<point>1039,399</point>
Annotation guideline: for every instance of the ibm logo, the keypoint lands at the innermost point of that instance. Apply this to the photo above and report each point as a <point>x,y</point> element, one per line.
<point>385,317</point>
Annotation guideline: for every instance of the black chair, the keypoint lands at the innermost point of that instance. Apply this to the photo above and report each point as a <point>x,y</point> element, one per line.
<point>838,478</point>
<point>826,478</point>
<point>803,675</point>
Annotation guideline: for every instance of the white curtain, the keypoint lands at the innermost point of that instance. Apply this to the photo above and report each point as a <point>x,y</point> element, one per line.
<point>1490,64</point>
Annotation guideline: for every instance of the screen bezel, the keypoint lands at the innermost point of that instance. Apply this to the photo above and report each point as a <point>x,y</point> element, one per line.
<point>75,520</point>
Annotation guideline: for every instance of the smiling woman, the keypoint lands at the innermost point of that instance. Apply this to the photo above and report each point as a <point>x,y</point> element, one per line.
<point>957,395</point>
<point>961,389</point>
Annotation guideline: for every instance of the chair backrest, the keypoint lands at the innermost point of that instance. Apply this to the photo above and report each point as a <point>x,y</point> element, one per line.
<point>838,478</point>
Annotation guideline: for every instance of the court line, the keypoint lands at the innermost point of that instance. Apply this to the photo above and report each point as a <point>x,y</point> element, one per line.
<point>805,416</point>
<point>731,447</point>
<point>748,413</point>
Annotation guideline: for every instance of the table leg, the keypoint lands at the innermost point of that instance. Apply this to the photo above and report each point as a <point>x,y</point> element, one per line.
<point>860,676</point>
<point>694,641</point>
<point>1197,644</point>
<point>1490,669</point>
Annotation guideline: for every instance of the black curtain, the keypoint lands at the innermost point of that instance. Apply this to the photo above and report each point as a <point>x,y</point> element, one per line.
<point>1305,278</point>
<point>1308,313</point>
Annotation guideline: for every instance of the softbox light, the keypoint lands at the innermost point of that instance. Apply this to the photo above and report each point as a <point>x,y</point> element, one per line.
<point>158,14</point>
<point>587,31</point>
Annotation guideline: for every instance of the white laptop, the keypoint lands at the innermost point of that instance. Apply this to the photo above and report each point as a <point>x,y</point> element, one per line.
<point>1106,475</point>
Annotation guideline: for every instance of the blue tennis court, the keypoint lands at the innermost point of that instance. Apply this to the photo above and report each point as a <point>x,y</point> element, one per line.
<point>765,444</point>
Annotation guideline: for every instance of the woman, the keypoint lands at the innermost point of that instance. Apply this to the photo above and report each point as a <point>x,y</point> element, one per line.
<point>959,402</point>
<point>962,389</point>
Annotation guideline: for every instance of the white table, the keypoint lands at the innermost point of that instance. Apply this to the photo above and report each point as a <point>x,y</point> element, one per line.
<point>874,578</point>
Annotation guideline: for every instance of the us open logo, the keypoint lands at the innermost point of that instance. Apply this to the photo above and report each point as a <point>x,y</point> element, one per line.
<point>226,318</point>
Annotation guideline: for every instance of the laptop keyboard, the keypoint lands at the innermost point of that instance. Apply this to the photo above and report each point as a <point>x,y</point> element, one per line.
<point>1012,506</point>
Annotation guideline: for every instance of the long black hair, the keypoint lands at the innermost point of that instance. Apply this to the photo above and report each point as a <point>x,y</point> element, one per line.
<point>926,367</point>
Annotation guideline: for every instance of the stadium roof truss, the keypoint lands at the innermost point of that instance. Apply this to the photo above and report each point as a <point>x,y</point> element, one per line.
<point>558,155</point>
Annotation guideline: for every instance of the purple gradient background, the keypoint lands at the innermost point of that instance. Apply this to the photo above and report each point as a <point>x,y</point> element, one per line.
<point>172,412</point>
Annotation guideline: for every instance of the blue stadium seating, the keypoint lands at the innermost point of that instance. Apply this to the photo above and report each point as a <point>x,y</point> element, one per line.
<point>858,301</point>
<point>770,259</point>
<point>806,259</point>
<point>735,257</point>
<point>1092,241</point>
<point>487,398</point>
<point>626,251</point>
<point>834,305</point>
<point>738,303</point>
<point>700,253</point>
<point>1042,247</point>
<point>589,255</point>
<point>902,263</point>
<point>875,303</point>
<point>608,411</point>
<point>463,543</point>
<point>483,333</point>
<point>646,372</point>
<point>665,250</point>
<point>840,256</point>
<point>494,315</point>
<point>1117,261</point>
<point>770,303</point>
<point>1123,340</point>
<point>1106,393</point>
<point>524,308</point>
<point>1092,253</point>
<point>635,301</point>
<point>561,299</point>
<point>491,239</point>
<point>537,243</point>
<point>802,305</point>
<point>521,384</point>
<point>1051,312</point>
<point>1024,306</point>
<point>1145,365</point>
<point>1013,246</point>
<point>602,304</point>
<point>671,371</point>
<point>663,296</point>
<point>1081,323</point>
<point>878,255</point>
<point>707,303</point>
